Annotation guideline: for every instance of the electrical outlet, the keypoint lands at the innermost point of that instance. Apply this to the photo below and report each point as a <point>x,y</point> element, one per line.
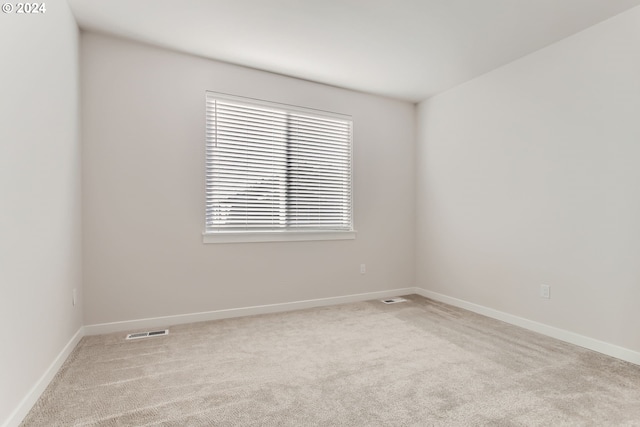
<point>545,291</point>
<point>363,268</point>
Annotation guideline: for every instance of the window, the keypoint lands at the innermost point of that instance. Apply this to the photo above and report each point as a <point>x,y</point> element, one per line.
<point>276,172</point>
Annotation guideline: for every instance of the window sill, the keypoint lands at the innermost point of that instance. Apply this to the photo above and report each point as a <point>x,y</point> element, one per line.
<point>276,236</point>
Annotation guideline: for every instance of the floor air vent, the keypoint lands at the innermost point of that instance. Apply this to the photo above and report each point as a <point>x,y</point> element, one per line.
<point>393,300</point>
<point>139,335</point>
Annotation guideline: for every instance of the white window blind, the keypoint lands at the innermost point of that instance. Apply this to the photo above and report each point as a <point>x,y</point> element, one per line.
<point>276,168</point>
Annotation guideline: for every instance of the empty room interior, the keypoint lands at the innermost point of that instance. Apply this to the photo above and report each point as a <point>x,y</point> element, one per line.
<point>331,213</point>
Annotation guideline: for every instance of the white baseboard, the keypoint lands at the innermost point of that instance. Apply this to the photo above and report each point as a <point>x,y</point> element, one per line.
<point>561,334</point>
<point>155,322</point>
<point>39,387</point>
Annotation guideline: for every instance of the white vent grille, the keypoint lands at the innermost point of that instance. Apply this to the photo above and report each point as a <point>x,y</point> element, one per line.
<point>150,334</point>
<point>393,300</point>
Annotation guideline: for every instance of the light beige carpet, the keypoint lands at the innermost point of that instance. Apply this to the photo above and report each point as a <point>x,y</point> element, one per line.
<point>419,363</point>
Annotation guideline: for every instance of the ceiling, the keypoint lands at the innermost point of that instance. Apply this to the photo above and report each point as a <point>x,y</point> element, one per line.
<point>406,49</point>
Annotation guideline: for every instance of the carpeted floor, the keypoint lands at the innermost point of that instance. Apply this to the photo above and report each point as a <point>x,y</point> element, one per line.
<point>418,363</point>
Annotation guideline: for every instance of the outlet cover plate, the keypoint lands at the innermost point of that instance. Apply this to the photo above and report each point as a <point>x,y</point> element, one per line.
<point>545,291</point>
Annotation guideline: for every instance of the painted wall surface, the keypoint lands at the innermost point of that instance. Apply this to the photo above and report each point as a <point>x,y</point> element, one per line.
<point>143,191</point>
<point>40,221</point>
<point>530,175</point>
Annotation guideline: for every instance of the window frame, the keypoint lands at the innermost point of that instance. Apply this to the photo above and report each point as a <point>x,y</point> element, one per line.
<point>284,234</point>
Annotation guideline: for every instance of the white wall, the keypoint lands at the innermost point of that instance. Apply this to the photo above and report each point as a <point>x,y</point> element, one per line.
<point>143,194</point>
<point>40,222</point>
<point>530,174</point>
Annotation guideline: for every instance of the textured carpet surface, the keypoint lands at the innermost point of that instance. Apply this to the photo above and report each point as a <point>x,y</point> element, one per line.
<point>419,363</point>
